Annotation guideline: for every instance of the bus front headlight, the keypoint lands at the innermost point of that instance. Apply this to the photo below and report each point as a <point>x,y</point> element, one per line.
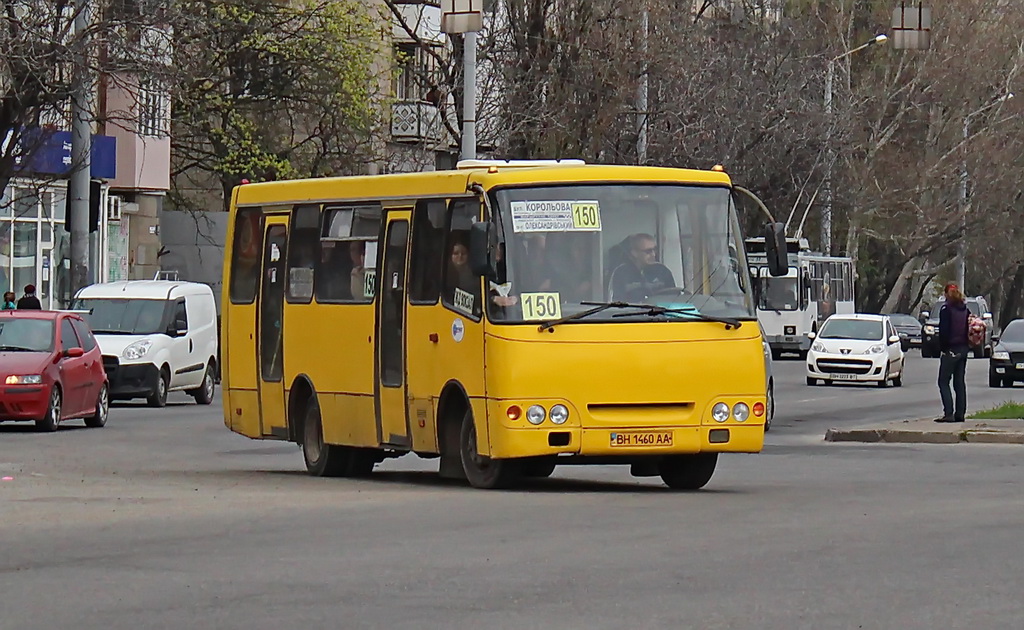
<point>536,414</point>
<point>741,412</point>
<point>559,414</point>
<point>720,412</point>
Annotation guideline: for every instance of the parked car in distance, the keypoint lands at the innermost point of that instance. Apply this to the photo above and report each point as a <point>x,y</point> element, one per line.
<point>859,348</point>
<point>908,328</point>
<point>978,307</point>
<point>51,370</point>
<point>1006,365</point>
<point>156,336</point>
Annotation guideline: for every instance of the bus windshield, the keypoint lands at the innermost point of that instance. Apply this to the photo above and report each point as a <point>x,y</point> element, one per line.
<point>564,249</point>
<point>779,294</point>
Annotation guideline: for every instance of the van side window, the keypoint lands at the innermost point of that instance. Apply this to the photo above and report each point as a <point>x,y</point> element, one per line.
<point>68,339</point>
<point>303,252</point>
<point>246,248</point>
<point>347,271</point>
<point>84,335</point>
<point>427,251</point>
<point>461,290</point>
<point>180,319</point>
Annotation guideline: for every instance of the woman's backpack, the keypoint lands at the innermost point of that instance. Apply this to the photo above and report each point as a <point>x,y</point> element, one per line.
<point>975,331</point>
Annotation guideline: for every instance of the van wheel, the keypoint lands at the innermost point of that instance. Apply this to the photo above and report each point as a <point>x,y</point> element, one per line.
<point>99,418</point>
<point>51,420</point>
<point>688,472</point>
<point>482,471</point>
<point>159,397</point>
<point>322,460</point>
<point>204,394</point>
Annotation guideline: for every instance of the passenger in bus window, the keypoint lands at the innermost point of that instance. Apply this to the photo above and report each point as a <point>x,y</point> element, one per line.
<point>643,276</point>
<point>458,275</point>
<point>357,256</point>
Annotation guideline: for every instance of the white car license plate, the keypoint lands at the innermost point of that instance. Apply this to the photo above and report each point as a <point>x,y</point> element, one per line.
<point>1020,366</point>
<point>842,377</point>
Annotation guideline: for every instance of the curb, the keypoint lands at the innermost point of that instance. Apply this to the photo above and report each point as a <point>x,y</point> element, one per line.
<point>980,436</point>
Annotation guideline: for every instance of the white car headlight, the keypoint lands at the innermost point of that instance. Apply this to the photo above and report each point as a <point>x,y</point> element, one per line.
<point>741,412</point>
<point>720,412</point>
<point>559,414</point>
<point>29,379</point>
<point>929,330</point>
<point>1001,356</point>
<point>876,349</point>
<point>137,350</point>
<point>536,414</point>
<point>818,347</point>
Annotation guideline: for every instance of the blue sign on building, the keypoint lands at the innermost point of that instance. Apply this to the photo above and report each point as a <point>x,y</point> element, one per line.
<point>49,153</point>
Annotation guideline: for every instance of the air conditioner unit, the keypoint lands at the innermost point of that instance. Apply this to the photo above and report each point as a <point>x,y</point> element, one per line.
<point>114,208</point>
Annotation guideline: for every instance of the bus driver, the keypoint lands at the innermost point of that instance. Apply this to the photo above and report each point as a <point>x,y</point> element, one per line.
<point>642,276</point>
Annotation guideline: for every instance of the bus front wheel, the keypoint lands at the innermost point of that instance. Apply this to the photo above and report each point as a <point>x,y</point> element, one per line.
<point>688,472</point>
<point>482,471</point>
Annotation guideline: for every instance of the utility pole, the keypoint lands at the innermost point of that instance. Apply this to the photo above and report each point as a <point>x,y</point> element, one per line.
<point>469,97</point>
<point>81,148</point>
<point>465,17</point>
<point>826,189</point>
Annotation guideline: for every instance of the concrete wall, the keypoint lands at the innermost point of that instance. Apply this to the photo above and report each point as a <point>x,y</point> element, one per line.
<point>193,244</point>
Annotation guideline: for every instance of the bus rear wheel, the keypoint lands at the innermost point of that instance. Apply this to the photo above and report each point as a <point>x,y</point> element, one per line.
<point>322,460</point>
<point>688,472</point>
<point>482,471</point>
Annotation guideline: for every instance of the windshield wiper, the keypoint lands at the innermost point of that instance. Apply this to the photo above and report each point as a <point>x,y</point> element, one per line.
<point>16,349</point>
<point>654,311</point>
<point>598,307</point>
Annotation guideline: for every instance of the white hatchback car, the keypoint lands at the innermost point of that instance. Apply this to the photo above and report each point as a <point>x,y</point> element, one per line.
<point>861,348</point>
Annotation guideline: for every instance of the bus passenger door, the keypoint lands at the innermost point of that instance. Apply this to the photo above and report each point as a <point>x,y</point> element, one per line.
<point>390,385</point>
<point>269,343</point>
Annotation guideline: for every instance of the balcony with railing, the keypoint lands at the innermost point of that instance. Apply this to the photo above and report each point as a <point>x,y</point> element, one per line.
<point>415,121</point>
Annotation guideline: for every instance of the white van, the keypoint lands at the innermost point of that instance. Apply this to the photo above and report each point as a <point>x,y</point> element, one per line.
<point>156,336</point>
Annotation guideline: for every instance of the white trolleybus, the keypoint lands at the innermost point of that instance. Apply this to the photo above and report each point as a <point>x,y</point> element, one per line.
<point>790,306</point>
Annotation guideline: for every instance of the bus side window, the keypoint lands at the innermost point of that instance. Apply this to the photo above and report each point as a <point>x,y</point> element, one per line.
<point>303,252</point>
<point>246,250</point>
<point>348,255</point>
<point>428,249</point>
<point>461,288</point>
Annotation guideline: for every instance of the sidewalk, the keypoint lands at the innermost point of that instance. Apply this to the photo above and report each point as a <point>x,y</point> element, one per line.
<point>927,431</point>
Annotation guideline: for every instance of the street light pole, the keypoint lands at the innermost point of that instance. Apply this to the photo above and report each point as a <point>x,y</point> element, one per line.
<point>961,244</point>
<point>830,72</point>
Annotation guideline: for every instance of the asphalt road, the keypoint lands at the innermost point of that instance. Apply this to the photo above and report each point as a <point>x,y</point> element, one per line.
<point>164,519</point>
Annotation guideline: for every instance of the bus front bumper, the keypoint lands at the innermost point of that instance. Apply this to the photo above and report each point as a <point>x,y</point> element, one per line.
<point>631,442</point>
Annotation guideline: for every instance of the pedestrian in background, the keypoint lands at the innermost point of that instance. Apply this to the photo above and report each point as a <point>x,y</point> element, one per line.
<point>29,300</point>
<point>953,344</point>
<point>9,304</point>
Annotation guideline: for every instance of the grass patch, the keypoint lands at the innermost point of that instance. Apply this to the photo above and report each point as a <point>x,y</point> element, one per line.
<point>1007,410</point>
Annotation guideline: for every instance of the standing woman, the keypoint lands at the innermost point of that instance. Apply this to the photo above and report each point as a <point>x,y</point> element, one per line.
<point>953,322</point>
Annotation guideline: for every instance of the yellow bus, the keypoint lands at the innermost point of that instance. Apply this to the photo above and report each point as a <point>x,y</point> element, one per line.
<point>502,317</point>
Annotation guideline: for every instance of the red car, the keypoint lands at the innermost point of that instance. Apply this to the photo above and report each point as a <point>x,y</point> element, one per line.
<point>51,370</point>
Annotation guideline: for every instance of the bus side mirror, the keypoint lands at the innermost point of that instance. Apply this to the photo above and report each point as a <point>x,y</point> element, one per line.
<point>775,248</point>
<point>482,239</point>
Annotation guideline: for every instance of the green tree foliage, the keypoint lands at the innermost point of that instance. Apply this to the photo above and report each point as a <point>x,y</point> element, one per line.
<point>272,90</point>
